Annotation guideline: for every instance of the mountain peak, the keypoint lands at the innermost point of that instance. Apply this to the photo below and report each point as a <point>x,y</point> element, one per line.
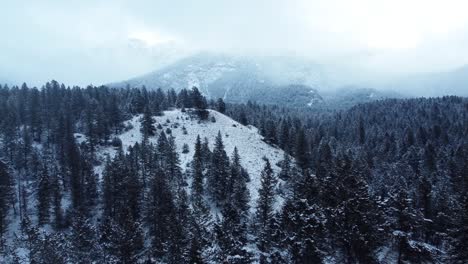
<point>239,79</point>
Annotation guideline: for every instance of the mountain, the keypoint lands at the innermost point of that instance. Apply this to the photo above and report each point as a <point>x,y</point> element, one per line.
<point>453,82</point>
<point>349,96</point>
<point>281,80</point>
<point>268,80</point>
<point>5,81</point>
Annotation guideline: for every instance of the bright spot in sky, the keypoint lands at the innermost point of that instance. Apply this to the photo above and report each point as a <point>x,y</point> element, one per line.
<point>150,38</point>
<point>388,25</point>
<point>391,36</point>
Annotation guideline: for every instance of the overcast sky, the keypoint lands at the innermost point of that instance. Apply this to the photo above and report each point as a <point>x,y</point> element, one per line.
<point>92,41</point>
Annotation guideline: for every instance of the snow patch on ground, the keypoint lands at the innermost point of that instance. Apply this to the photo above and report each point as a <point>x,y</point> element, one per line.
<point>248,141</point>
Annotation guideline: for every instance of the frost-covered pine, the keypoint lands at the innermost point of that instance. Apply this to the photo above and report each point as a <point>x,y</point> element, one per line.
<point>160,214</point>
<point>285,173</point>
<point>43,197</point>
<point>84,244</point>
<point>218,175</point>
<point>240,195</point>
<point>265,209</point>
<point>6,199</point>
<point>197,171</point>
<point>458,252</point>
<point>147,124</point>
<point>220,106</point>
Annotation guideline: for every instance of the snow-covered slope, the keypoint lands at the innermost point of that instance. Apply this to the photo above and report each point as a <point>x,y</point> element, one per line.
<point>248,141</point>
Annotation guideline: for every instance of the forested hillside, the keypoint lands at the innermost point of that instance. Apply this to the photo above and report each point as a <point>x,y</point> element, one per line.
<point>390,176</point>
<point>134,176</point>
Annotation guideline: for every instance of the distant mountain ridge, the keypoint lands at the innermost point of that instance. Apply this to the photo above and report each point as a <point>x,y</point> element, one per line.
<point>281,80</point>
<point>278,80</point>
<point>454,82</point>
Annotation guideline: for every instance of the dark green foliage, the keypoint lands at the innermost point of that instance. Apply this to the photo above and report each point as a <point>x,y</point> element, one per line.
<point>458,252</point>
<point>43,197</point>
<point>220,106</point>
<point>6,199</point>
<point>197,171</point>
<point>161,213</point>
<point>301,150</point>
<point>147,124</point>
<point>199,103</point>
<point>265,210</point>
<point>384,175</point>
<point>122,242</point>
<point>84,246</point>
<point>218,174</point>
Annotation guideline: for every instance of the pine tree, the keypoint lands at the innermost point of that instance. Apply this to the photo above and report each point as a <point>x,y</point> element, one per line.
<point>240,195</point>
<point>197,170</point>
<point>74,163</point>
<point>179,246</point>
<point>115,115</point>
<point>302,219</point>
<point>41,247</point>
<point>206,153</point>
<point>184,100</point>
<point>56,195</point>
<point>406,222</point>
<point>243,118</point>
<point>458,252</point>
<point>201,226</point>
<point>147,124</point>
<point>284,137</point>
<point>90,188</point>
<point>122,190</point>
<point>10,131</point>
<point>91,125</point>
<point>218,176</point>
<point>43,197</point>
<point>234,238</point>
<point>358,217</point>
<point>6,199</point>
<point>198,100</point>
<point>173,164</point>
<point>35,121</point>
<point>53,247</point>
<point>161,213</point>
<point>162,150</point>
<point>185,148</point>
<point>426,203</point>
<point>84,244</point>
<point>220,106</point>
<point>301,150</point>
<point>195,253</point>
<point>123,242</point>
<point>361,131</point>
<point>235,214</point>
<point>285,173</point>
<point>265,210</point>
<point>199,103</point>
<point>324,160</point>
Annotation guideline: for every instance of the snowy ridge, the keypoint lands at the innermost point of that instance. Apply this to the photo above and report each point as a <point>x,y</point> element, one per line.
<point>248,141</point>
<point>239,79</point>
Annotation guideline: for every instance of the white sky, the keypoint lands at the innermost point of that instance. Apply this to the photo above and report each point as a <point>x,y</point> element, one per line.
<point>99,41</point>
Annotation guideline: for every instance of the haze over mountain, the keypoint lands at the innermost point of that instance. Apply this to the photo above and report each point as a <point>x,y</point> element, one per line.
<point>283,80</point>
<point>453,82</point>
<point>239,79</point>
<point>109,41</point>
